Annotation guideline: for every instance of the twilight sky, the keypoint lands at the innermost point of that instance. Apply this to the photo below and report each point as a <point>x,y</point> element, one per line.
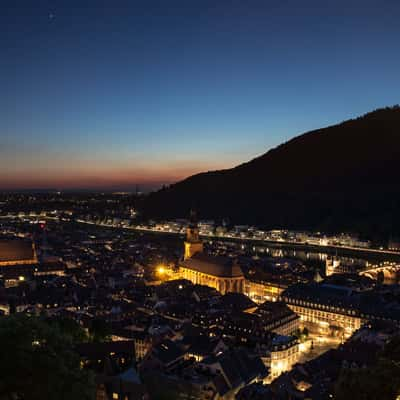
<point>107,94</point>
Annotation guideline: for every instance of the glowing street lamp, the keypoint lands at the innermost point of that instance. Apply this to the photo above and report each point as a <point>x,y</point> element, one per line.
<point>161,270</point>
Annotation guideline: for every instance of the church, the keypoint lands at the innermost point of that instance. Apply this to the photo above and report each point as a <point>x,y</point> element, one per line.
<point>17,252</point>
<point>18,260</point>
<point>221,273</point>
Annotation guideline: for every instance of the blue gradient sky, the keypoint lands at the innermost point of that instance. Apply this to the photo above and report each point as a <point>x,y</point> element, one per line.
<point>98,94</point>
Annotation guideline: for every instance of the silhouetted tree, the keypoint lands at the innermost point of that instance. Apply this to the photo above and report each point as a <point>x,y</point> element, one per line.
<point>100,331</point>
<point>37,362</point>
<point>380,381</point>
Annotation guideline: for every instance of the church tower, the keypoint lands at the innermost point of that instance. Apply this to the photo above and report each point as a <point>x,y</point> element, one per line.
<point>193,244</point>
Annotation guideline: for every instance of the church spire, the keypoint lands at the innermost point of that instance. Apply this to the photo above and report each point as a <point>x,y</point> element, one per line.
<point>193,217</point>
<point>192,231</point>
<point>193,244</point>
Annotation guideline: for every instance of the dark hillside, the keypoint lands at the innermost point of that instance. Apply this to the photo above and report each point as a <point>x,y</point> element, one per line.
<point>343,177</point>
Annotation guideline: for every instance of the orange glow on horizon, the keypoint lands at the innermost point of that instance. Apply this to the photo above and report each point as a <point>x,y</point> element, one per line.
<point>96,179</point>
<point>67,170</point>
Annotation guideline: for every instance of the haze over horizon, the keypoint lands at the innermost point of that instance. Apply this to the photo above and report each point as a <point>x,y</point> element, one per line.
<point>113,94</point>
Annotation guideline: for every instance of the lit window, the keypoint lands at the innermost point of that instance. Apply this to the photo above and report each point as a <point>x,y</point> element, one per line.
<point>115,396</point>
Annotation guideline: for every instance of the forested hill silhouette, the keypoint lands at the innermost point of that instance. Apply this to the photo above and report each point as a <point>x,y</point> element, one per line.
<point>343,177</point>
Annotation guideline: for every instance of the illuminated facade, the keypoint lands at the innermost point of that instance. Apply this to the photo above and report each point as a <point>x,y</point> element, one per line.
<point>284,354</point>
<point>320,310</point>
<point>262,291</point>
<point>18,260</point>
<point>327,318</point>
<point>142,346</point>
<point>17,252</point>
<point>220,273</point>
<point>331,266</point>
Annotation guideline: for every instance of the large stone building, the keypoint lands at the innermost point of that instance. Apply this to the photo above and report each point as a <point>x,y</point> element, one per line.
<point>17,252</point>
<point>325,308</point>
<point>284,353</point>
<point>341,310</point>
<point>18,260</point>
<point>221,273</point>
<point>277,317</point>
<point>261,291</point>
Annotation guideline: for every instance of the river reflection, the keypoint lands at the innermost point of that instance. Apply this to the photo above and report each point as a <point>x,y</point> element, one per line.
<point>307,256</point>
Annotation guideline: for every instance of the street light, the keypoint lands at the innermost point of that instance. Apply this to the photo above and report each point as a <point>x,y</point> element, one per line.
<point>161,270</point>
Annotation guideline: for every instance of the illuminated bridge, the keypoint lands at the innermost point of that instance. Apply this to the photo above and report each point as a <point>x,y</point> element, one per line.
<point>390,270</point>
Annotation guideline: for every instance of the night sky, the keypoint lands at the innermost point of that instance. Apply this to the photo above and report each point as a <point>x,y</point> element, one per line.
<point>107,94</point>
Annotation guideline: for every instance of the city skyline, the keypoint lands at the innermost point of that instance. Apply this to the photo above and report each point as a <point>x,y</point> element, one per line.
<point>110,96</point>
<point>199,199</point>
